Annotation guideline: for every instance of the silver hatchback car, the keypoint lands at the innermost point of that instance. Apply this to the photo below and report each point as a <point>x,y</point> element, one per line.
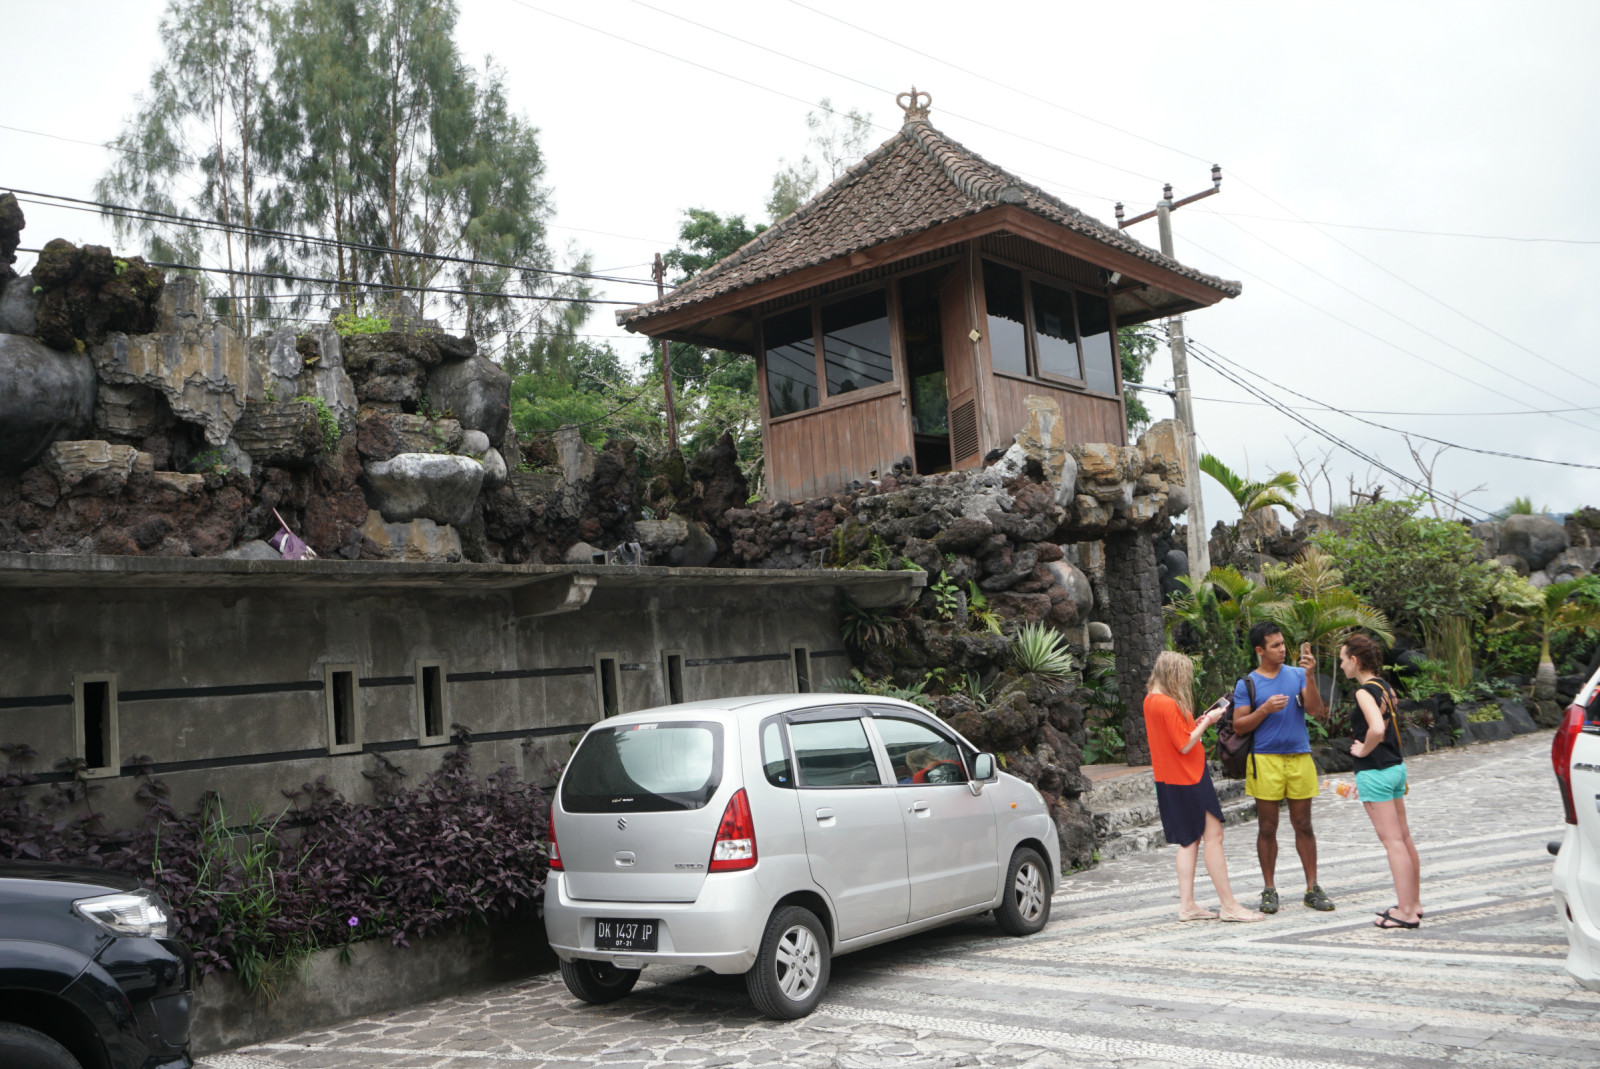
<point>764,835</point>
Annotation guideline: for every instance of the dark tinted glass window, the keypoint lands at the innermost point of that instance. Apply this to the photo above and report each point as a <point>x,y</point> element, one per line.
<point>638,768</point>
<point>919,325</point>
<point>774,761</point>
<point>833,753</point>
<point>1055,337</point>
<point>855,342</point>
<point>791,362</point>
<point>1099,357</point>
<point>1008,346</point>
<point>918,754</point>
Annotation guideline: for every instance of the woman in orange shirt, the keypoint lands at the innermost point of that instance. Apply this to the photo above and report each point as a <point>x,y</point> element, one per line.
<point>1188,802</point>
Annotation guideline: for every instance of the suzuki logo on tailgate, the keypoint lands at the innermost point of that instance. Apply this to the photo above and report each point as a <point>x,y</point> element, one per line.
<point>622,823</point>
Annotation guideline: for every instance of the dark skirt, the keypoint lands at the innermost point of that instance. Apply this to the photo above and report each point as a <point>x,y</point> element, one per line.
<point>1184,808</point>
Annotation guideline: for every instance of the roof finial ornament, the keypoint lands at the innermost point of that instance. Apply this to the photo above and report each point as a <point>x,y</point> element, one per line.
<point>915,104</point>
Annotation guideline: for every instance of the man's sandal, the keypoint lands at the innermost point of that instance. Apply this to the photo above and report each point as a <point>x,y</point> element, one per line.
<point>1387,921</point>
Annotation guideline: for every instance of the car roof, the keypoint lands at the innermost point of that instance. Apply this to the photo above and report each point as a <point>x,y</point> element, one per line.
<point>756,707</point>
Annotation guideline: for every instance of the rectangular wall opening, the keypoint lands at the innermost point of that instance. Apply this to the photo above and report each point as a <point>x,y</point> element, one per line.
<point>344,708</point>
<point>433,715</point>
<point>672,669</point>
<point>607,687</point>
<point>96,724</point>
<point>802,670</point>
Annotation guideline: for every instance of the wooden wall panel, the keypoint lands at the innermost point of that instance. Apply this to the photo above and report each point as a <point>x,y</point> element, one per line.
<point>826,448</point>
<point>1089,417</point>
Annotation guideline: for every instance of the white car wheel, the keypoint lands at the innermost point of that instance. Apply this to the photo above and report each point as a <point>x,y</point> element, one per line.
<point>1026,906</point>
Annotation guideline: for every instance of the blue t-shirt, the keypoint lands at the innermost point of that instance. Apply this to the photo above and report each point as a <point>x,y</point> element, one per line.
<point>1285,730</point>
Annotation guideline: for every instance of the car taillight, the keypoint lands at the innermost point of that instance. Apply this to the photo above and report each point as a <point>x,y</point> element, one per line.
<point>555,851</point>
<point>735,847</point>
<point>1561,756</point>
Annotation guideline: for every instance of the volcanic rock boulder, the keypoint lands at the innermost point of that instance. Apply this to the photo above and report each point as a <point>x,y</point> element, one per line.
<point>201,367</point>
<point>87,294</point>
<point>382,433</point>
<point>11,224</point>
<point>431,486</point>
<point>45,396</point>
<point>19,307</point>
<point>421,541</point>
<point>677,542</point>
<point>90,466</point>
<point>391,367</point>
<point>1536,539</point>
<point>477,391</point>
<point>286,434</point>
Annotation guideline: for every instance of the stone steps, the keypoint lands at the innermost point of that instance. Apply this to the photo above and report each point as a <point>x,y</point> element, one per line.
<point>1127,821</point>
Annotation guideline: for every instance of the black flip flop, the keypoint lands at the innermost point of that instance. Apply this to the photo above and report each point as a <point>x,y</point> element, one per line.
<point>1395,922</point>
<point>1384,912</point>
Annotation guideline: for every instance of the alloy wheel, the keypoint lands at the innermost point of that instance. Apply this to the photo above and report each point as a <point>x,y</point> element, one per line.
<point>1029,891</point>
<point>799,962</point>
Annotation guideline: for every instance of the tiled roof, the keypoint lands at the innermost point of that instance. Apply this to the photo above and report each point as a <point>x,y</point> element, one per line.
<point>916,180</point>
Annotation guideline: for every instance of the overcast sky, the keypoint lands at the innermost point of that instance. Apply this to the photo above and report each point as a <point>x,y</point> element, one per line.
<point>1459,118</point>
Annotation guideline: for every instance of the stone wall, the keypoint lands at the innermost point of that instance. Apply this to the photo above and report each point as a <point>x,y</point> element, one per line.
<point>1133,608</point>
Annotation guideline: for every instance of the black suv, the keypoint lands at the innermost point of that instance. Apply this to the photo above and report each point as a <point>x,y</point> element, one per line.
<point>88,977</point>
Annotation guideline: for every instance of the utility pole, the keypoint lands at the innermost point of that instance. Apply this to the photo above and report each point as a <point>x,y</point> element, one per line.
<point>659,273</point>
<point>1199,546</point>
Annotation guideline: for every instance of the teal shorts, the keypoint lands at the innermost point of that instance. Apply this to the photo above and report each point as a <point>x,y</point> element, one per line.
<point>1382,784</point>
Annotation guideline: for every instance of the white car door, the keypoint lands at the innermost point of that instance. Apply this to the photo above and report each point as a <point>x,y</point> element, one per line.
<point>951,839</point>
<point>854,836</point>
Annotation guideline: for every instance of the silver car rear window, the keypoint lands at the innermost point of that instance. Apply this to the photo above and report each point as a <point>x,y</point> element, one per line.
<point>638,768</point>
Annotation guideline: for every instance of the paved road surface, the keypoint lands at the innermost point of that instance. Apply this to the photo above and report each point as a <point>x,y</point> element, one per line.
<point>1115,980</point>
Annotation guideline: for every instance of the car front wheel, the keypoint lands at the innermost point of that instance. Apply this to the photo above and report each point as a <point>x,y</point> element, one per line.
<point>25,1048</point>
<point>597,982</point>
<point>791,970</point>
<point>1025,906</point>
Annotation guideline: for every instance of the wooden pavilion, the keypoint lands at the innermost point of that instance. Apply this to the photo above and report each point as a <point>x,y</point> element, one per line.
<point>910,308</point>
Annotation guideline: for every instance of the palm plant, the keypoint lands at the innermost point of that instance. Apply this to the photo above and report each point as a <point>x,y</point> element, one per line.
<point>1250,496</point>
<point>1563,606</point>
<point>1219,612</point>
<point>1311,605</point>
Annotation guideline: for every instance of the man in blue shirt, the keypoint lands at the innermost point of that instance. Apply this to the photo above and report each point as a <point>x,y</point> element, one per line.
<point>1280,767</point>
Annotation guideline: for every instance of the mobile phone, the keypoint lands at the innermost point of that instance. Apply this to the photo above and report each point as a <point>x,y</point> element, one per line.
<point>1221,703</point>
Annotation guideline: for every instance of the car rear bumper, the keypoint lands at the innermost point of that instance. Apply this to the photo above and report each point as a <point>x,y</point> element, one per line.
<point>1582,926</point>
<point>720,930</point>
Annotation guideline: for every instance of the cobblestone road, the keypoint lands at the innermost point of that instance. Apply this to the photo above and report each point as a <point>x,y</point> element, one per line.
<point>1115,980</point>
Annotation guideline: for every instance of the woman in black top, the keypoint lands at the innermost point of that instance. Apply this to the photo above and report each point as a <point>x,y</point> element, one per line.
<point>1381,775</point>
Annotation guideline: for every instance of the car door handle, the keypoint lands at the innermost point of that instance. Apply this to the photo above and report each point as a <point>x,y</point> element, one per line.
<point>825,817</point>
<point>919,808</point>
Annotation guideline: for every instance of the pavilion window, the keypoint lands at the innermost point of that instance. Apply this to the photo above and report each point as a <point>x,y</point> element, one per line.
<point>1055,333</point>
<point>1099,351</point>
<point>1007,318</point>
<point>791,351</point>
<point>855,342</point>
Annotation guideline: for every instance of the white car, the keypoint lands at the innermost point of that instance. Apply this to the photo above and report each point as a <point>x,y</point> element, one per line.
<point>1576,756</point>
<point>764,835</point>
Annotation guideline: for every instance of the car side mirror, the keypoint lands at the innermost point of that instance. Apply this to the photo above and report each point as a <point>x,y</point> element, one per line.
<point>982,772</point>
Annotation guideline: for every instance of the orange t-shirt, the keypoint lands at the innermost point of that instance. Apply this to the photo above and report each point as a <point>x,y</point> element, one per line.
<point>1168,728</point>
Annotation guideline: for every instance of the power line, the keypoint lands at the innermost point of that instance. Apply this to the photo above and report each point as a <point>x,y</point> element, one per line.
<point>1381,411</point>
<point>880,89</point>
<point>1411,323</point>
<point>1404,230</point>
<point>457,292</point>
<point>1376,337</point>
<point>152,215</point>
<point>1381,426</point>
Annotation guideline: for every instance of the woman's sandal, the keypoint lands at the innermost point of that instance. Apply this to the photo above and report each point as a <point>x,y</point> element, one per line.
<point>1196,915</point>
<point>1242,916</point>
<point>1389,921</point>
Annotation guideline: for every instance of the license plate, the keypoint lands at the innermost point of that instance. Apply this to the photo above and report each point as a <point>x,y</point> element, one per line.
<point>626,934</point>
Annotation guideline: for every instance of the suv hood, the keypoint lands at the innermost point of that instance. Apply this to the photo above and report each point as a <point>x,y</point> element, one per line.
<point>87,880</point>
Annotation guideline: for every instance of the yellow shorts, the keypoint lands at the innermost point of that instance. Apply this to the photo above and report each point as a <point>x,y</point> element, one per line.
<point>1273,777</point>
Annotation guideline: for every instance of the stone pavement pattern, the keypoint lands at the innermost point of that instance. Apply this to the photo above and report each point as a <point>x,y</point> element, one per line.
<point>1115,980</point>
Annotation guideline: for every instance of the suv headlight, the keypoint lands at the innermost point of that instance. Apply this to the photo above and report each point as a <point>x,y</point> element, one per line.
<point>137,913</point>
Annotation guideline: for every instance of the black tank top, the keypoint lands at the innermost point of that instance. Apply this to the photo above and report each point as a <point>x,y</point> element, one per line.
<point>1387,753</point>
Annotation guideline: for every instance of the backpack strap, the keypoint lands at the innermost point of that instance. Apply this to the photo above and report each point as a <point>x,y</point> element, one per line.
<point>1250,689</point>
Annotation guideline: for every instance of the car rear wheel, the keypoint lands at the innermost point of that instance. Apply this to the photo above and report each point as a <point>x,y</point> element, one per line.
<point>791,970</point>
<point>25,1048</point>
<point>1025,908</point>
<point>597,982</point>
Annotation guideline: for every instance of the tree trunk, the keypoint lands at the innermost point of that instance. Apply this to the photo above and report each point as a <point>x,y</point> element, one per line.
<point>1544,680</point>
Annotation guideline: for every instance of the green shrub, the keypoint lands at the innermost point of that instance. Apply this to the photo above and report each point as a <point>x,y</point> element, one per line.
<point>347,324</point>
<point>331,431</point>
<point>1414,569</point>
